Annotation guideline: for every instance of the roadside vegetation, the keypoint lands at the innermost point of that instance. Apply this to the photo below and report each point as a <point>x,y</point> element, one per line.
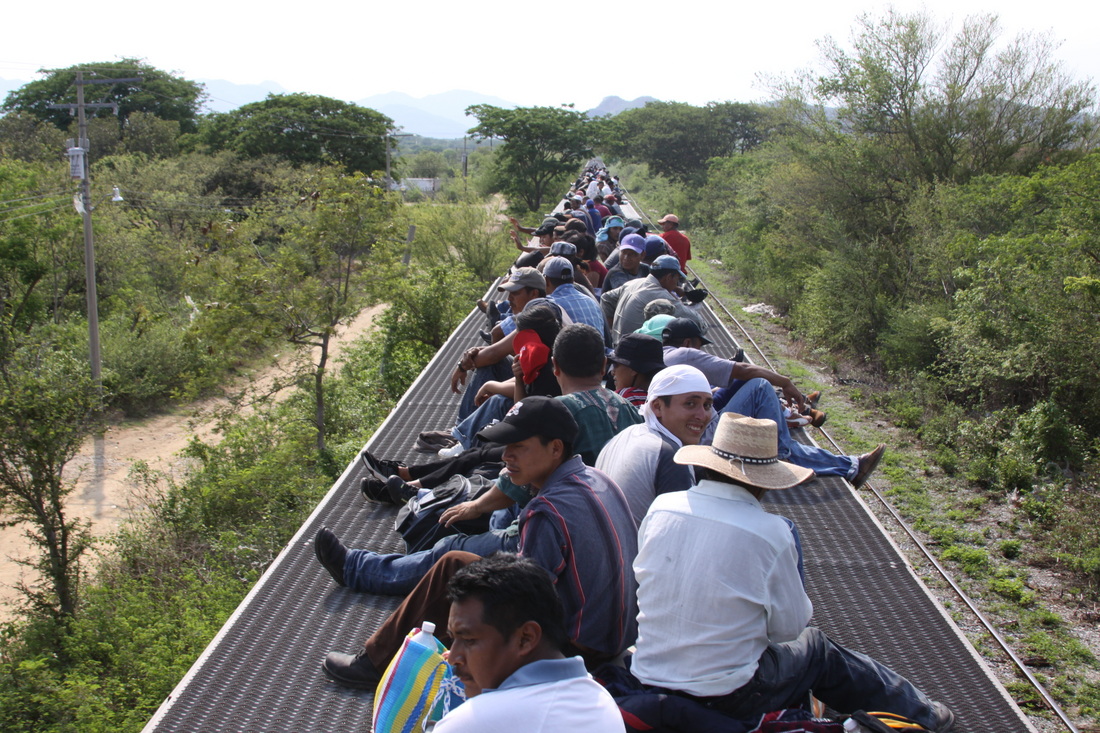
<point>922,210</point>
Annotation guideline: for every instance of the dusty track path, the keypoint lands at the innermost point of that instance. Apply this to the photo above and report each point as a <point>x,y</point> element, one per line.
<point>104,496</point>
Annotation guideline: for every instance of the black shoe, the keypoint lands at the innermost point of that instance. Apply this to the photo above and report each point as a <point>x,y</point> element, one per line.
<point>485,336</point>
<point>868,462</point>
<point>945,719</point>
<point>494,313</point>
<point>331,553</point>
<point>380,468</point>
<point>739,356</point>
<point>374,490</point>
<point>356,672</point>
<point>399,491</point>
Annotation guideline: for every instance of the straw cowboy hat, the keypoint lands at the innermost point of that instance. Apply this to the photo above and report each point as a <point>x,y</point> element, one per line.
<point>746,450</point>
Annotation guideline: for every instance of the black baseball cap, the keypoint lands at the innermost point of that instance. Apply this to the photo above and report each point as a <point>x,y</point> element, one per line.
<point>543,416</point>
<point>679,329</point>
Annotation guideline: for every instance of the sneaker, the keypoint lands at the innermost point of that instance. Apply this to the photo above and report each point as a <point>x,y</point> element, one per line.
<point>868,462</point>
<point>374,490</point>
<point>945,719</point>
<point>453,452</point>
<point>331,553</point>
<point>431,441</point>
<point>380,468</point>
<point>485,336</point>
<point>399,491</point>
<point>739,356</point>
<point>354,671</point>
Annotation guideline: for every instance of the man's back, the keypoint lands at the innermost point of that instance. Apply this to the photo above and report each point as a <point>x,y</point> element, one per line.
<point>718,580</point>
<point>601,415</point>
<point>580,529</point>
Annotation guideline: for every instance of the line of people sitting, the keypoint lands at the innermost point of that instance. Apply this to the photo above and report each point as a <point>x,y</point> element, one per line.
<point>637,501</point>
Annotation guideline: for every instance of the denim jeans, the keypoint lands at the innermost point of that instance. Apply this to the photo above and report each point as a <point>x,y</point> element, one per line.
<point>500,371</point>
<point>757,399</point>
<point>396,574</point>
<point>844,680</point>
<point>494,408</point>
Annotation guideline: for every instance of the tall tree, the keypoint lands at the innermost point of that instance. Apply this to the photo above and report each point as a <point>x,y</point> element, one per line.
<point>159,93</point>
<point>544,146</point>
<point>304,129</point>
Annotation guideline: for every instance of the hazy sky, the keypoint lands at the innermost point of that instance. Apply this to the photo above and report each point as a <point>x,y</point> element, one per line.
<point>531,53</point>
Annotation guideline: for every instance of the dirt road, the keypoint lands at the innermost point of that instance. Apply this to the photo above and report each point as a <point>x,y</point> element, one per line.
<point>103,494</point>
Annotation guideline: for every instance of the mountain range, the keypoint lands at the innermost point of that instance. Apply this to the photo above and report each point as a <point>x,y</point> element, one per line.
<point>436,115</point>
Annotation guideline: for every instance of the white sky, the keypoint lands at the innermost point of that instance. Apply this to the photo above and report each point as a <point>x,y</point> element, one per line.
<point>531,53</point>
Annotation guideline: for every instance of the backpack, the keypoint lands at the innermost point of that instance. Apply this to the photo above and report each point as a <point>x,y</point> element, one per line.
<point>418,521</point>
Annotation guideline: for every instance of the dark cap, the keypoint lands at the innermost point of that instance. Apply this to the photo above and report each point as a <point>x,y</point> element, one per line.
<point>524,277</point>
<point>679,329</point>
<point>543,416</point>
<point>644,354</point>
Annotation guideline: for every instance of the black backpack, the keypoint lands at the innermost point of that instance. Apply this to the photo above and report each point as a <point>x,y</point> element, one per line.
<point>418,521</point>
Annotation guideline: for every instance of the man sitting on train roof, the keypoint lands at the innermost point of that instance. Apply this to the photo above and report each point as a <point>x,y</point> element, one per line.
<point>629,265</point>
<point>624,307</point>
<point>754,395</point>
<point>733,636</point>
<point>508,627</point>
<point>577,527</point>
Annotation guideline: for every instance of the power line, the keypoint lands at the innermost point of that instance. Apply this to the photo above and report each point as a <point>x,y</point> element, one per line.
<point>35,213</point>
<point>29,206</point>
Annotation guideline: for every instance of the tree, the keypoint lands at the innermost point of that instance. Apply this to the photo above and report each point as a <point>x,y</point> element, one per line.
<point>25,137</point>
<point>302,274</point>
<point>304,129</point>
<point>677,140</point>
<point>48,406</point>
<point>544,146</point>
<point>952,107</point>
<point>159,93</point>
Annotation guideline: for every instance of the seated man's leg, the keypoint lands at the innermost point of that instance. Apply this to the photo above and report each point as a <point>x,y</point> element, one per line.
<point>427,602</point>
<point>757,399</point>
<point>499,372</point>
<point>494,408</point>
<point>844,680</point>
<point>396,575</point>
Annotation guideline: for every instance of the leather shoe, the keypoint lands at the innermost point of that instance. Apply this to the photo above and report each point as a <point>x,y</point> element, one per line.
<point>868,462</point>
<point>354,671</point>
<point>331,553</point>
<point>817,418</point>
<point>945,719</point>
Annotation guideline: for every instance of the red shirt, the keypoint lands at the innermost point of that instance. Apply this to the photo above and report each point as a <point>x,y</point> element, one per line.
<point>680,244</point>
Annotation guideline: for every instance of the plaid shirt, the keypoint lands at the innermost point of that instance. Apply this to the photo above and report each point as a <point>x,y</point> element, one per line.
<point>579,307</point>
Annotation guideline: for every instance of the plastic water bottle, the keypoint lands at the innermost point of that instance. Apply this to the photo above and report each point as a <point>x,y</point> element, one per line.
<point>426,636</point>
<point>851,725</point>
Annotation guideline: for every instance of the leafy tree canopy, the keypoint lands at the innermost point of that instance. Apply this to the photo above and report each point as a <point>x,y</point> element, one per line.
<point>544,146</point>
<point>304,129</point>
<point>159,93</point>
<point>676,140</point>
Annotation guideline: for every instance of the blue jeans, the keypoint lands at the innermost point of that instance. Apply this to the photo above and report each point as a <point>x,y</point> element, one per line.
<point>494,408</point>
<point>844,680</point>
<point>797,546</point>
<point>757,399</point>
<point>500,371</point>
<point>397,575</point>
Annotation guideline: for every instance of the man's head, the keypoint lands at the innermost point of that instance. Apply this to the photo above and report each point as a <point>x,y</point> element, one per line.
<point>558,271</point>
<point>538,435</point>
<point>636,359</point>
<point>683,332</point>
<point>668,222</point>
<point>630,252</point>
<point>680,399</point>
<point>745,451</point>
<point>523,286</point>
<point>579,352</point>
<point>505,614</point>
<point>545,231</point>
<point>666,269</point>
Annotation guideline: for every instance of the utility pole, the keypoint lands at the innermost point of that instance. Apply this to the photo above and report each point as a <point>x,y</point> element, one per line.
<point>86,206</point>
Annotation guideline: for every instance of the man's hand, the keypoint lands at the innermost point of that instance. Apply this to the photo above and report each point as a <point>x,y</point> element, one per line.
<point>793,394</point>
<point>458,380</point>
<point>459,512</point>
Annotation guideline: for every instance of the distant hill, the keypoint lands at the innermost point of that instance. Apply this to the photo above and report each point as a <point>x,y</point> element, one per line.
<point>436,115</point>
<point>226,96</point>
<point>614,105</point>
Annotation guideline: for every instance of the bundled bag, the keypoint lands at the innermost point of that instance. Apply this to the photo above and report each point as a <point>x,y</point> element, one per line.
<point>418,688</point>
<point>418,521</point>
<point>879,722</point>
